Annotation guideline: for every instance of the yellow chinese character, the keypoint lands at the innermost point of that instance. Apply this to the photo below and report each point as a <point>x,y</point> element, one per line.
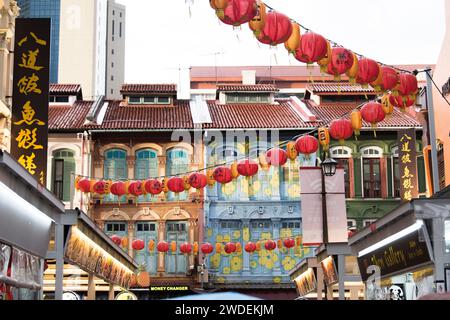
<point>405,147</point>
<point>36,39</point>
<point>28,115</point>
<point>41,177</point>
<point>28,163</point>
<point>406,158</point>
<point>407,195</point>
<point>407,184</point>
<point>27,139</point>
<point>29,84</point>
<point>29,61</point>
<point>407,174</point>
<point>405,137</point>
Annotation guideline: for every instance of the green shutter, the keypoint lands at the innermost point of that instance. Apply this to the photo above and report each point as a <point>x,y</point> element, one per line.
<point>69,167</point>
<point>421,174</point>
<point>389,177</point>
<point>357,175</point>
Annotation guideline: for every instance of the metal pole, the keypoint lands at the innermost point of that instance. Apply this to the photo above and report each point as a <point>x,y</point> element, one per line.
<point>432,129</point>
<point>324,211</point>
<point>341,268</point>
<point>59,276</point>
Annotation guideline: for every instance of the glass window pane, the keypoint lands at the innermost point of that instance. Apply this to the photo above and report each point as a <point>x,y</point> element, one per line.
<point>163,100</point>
<point>152,227</point>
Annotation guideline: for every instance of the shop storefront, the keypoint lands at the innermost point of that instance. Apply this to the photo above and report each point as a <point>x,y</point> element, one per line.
<point>405,255</point>
<point>334,269</point>
<point>26,219</point>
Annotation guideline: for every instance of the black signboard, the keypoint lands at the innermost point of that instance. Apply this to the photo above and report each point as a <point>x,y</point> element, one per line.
<point>29,127</point>
<point>407,161</point>
<point>399,255</point>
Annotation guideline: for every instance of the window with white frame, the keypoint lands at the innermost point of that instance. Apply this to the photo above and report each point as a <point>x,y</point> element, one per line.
<point>149,100</point>
<point>395,173</point>
<point>351,223</point>
<point>342,155</point>
<point>368,222</point>
<point>371,171</point>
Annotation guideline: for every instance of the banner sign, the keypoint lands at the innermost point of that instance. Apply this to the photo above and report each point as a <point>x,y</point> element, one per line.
<point>399,255</point>
<point>407,162</point>
<point>329,271</point>
<point>29,128</point>
<point>311,205</point>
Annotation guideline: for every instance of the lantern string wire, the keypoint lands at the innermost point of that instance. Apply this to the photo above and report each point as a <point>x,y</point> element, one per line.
<point>335,44</point>
<point>280,144</point>
<point>436,86</point>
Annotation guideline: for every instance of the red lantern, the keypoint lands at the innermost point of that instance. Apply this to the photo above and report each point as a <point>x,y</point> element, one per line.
<point>186,248</point>
<point>138,244</point>
<point>277,29</point>
<point>313,47</point>
<point>368,71</point>
<point>198,180</point>
<point>289,243</point>
<point>388,80</point>
<point>247,168</point>
<point>135,188</point>
<point>118,188</point>
<point>350,233</point>
<point>341,61</point>
<point>176,184</point>
<point>230,247</point>
<point>84,185</point>
<point>402,102</point>
<point>408,85</point>
<point>162,246</point>
<point>99,187</point>
<point>222,175</point>
<point>250,247</point>
<point>153,186</point>
<point>307,145</point>
<point>270,245</point>
<point>238,12</point>
<point>373,113</point>
<point>206,248</point>
<point>341,129</point>
<point>276,157</point>
<point>116,239</point>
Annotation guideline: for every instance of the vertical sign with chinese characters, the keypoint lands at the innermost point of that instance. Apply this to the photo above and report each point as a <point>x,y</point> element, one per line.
<point>407,160</point>
<point>30,95</point>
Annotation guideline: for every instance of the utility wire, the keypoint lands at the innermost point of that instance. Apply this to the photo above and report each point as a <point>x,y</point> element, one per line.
<point>436,86</point>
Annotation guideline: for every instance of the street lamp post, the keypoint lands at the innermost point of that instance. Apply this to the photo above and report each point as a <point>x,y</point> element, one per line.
<point>329,166</point>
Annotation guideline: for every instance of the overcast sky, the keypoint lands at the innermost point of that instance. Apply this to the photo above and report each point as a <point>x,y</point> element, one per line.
<point>161,36</point>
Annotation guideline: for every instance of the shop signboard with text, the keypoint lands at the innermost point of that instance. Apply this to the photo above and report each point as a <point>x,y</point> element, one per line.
<point>29,126</point>
<point>407,161</point>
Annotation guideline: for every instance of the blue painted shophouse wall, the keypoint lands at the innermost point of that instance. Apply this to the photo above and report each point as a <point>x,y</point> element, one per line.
<point>266,206</point>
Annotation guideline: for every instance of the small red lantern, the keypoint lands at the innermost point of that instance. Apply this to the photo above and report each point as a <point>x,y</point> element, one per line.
<point>270,245</point>
<point>341,61</point>
<point>138,244</point>
<point>307,145</point>
<point>350,233</point>
<point>408,85</point>
<point>186,248</point>
<point>230,247</point>
<point>238,12</point>
<point>162,246</point>
<point>153,186</point>
<point>118,188</point>
<point>388,79</point>
<point>116,239</point>
<point>198,180</point>
<point>373,113</point>
<point>84,185</point>
<point>341,129</point>
<point>206,248</point>
<point>135,188</point>
<point>289,243</point>
<point>247,168</point>
<point>313,47</point>
<point>402,102</point>
<point>176,184</point>
<point>100,187</point>
<point>222,175</point>
<point>368,71</point>
<point>276,157</point>
<point>277,29</point>
<point>250,247</point>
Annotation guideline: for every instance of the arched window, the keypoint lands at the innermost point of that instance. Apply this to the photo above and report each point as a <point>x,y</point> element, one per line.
<point>63,166</point>
<point>343,155</point>
<point>395,173</point>
<point>115,168</point>
<point>177,163</point>
<point>371,171</point>
<point>146,167</point>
